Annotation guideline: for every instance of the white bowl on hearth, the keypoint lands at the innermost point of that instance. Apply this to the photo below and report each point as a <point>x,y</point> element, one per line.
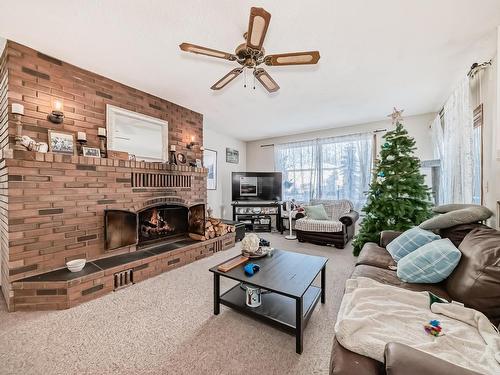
<point>76,265</point>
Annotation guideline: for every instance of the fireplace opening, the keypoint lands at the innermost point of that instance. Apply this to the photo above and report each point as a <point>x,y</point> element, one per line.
<point>153,224</point>
<point>158,223</point>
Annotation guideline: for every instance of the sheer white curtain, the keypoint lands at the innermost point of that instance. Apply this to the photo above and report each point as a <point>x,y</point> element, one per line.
<point>438,152</point>
<point>298,161</point>
<point>327,168</point>
<point>457,161</point>
<point>345,167</point>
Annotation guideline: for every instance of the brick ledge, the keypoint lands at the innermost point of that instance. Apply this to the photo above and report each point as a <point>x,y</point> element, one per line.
<point>73,159</point>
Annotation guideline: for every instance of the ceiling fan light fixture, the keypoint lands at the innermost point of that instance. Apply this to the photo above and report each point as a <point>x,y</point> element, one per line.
<point>251,54</point>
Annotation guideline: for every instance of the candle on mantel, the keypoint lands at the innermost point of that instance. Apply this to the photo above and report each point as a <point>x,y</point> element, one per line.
<point>101,132</point>
<point>81,136</point>
<point>172,148</point>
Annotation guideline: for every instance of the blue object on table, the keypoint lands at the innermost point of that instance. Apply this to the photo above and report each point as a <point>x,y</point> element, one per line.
<point>251,268</point>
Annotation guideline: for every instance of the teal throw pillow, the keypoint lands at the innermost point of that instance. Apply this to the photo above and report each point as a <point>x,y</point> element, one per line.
<point>316,212</point>
<point>429,264</point>
<point>410,241</point>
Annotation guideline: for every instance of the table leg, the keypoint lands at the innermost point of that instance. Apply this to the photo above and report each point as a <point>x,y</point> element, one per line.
<point>299,329</point>
<point>323,284</point>
<point>216,294</point>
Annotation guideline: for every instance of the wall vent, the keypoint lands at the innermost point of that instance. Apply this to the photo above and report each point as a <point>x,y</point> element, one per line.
<point>160,180</point>
<point>124,278</point>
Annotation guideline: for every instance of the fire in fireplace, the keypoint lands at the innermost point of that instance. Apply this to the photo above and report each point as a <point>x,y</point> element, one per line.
<point>160,222</point>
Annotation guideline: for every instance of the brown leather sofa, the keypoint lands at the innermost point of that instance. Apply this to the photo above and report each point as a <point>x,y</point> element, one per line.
<point>480,247</point>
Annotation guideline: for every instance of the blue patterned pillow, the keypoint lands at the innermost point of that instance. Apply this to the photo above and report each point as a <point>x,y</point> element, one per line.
<point>431,263</point>
<point>410,241</point>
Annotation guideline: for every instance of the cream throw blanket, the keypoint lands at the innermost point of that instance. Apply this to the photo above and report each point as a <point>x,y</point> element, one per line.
<point>373,314</point>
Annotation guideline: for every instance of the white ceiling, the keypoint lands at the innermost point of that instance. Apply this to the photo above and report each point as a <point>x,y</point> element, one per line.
<point>374,54</point>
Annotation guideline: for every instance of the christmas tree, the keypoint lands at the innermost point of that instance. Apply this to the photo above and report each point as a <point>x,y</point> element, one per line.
<point>398,198</point>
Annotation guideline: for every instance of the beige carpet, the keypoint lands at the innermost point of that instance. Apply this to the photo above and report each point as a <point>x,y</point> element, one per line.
<point>166,325</point>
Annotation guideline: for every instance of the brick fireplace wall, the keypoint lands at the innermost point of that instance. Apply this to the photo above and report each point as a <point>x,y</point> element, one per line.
<point>51,205</point>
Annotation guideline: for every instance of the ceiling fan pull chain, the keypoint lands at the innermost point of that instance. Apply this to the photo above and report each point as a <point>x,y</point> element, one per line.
<point>254,78</point>
<point>245,77</point>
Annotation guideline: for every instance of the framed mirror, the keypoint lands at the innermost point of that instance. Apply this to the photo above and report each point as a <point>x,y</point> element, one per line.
<point>144,136</point>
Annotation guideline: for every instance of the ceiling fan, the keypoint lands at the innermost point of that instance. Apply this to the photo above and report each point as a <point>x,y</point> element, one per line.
<point>251,54</point>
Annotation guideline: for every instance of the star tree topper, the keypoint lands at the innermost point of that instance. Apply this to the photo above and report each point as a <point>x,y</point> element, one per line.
<point>396,116</point>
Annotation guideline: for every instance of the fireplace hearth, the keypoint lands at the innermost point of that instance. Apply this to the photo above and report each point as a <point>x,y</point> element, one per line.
<point>152,224</point>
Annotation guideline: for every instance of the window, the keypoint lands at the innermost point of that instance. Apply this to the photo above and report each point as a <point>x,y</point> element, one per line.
<point>144,136</point>
<point>327,168</point>
<point>298,163</point>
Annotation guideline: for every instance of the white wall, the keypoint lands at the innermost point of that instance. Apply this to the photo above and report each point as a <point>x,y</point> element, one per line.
<point>261,159</point>
<point>220,199</point>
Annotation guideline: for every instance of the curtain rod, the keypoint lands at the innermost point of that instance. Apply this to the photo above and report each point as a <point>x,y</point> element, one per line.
<point>476,68</point>
<point>314,139</point>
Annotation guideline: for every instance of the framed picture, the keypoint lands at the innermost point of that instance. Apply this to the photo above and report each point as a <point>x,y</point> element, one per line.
<point>198,163</point>
<point>181,158</point>
<point>232,156</point>
<point>210,162</point>
<point>62,143</point>
<point>91,152</point>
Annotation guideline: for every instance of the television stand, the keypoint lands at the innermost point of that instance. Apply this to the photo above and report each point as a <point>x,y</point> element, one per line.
<point>257,215</point>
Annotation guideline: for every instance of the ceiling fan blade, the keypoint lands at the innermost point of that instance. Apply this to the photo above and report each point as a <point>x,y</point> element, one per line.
<point>266,80</point>
<point>293,58</point>
<point>257,27</point>
<point>221,83</point>
<point>193,48</point>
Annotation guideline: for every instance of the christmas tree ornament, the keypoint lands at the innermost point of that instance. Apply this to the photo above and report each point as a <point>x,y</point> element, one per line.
<point>381,174</point>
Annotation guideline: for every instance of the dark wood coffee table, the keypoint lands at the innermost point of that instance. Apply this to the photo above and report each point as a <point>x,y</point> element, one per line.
<point>289,276</point>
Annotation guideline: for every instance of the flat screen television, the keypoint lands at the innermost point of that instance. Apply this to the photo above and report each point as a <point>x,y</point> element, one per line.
<point>256,186</point>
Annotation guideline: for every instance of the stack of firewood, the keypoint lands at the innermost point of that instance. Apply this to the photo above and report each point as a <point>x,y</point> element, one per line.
<point>213,228</point>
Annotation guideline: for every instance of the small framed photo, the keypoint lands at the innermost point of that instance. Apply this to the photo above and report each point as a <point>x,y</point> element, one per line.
<point>181,158</point>
<point>61,142</point>
<point>91,152</point>
<point>232,156</point>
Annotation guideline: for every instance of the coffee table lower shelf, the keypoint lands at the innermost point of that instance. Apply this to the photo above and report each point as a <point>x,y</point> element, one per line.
<point>276,309</point>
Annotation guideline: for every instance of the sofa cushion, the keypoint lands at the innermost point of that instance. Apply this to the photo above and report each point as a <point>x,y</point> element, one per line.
<point>389,277</point>
<point>334,208</point>
<point>431,263</point>
<point>410,241</point>
<point>452,218</point>
<point>476,280</point>
<point>373,255</point>
<point>401,359</point>
<point>444,208</point>
<point>326,226</point>
<point>316,212</point>
<point>457,233</point>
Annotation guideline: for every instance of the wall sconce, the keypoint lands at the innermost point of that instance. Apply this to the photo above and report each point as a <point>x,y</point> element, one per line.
<point>191,144</point>
<point>57,115</point>
<point>18,112</point>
